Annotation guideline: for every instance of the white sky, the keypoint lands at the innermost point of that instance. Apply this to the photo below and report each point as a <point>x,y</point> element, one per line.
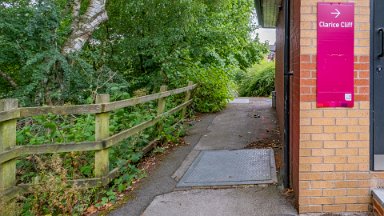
<point>267,35</point>
<point>264,33</point>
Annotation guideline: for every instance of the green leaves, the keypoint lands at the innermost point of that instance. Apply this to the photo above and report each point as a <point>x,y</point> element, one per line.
<point>145,43</point>
<point>170,42</point>
<point>31,38</point>
<point>259,81</point>
<point>55,129</point>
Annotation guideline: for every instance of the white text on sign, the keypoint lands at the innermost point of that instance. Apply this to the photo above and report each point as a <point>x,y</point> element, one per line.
<point>323,24</point>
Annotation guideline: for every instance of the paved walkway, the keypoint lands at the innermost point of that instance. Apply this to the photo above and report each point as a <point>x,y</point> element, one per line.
<point>234,128</point>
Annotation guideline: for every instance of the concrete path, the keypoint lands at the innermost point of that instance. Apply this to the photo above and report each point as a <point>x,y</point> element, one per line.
<point>223,202</point>
<point>234,128</point>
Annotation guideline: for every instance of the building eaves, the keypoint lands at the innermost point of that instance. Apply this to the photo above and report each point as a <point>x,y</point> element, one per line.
<point>267,12</point>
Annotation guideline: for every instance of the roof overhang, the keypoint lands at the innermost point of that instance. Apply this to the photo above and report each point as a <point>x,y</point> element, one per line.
<point>267,12</point>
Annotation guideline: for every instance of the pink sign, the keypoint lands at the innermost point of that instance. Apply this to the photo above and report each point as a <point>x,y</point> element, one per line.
<point>335,56</point>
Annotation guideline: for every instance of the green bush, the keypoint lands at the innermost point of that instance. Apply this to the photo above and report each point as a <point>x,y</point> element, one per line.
<point>259,82</point>
<point>214,90</point>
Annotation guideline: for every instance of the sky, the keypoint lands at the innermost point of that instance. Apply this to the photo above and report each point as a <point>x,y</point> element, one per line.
<point>267,35</point>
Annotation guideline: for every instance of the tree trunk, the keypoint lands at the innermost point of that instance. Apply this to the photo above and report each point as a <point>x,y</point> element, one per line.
<point>83,26</point>
<point>9,79</point>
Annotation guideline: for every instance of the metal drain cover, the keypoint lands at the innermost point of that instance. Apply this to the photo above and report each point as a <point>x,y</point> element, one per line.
<point>236,167</point>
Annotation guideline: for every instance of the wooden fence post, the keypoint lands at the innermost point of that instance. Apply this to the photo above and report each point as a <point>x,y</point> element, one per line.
<point>7,141</point>
<point>187,98</point>
<point>102,132</point>
<point>161,108</point>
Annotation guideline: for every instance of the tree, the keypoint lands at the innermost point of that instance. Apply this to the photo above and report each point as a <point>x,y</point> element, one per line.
<point>39,41</point>
<point>83,25</point>
<point>138,44</point>
<point>169,42</point>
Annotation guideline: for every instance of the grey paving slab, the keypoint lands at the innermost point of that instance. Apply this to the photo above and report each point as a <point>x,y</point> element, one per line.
<point>251,201</point>
<point>238,125</point>
<point>231,167</point>
<point>240,101</point>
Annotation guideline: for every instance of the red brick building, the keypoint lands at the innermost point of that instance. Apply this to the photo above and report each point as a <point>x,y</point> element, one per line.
<point>334,154</point>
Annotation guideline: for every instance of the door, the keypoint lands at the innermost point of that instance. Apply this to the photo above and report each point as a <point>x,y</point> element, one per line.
<point>377,85</point>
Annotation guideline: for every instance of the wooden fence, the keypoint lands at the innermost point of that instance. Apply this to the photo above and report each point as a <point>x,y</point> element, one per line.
<point>9,152</point>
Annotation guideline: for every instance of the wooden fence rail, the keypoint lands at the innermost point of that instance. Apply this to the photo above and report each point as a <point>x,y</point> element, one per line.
<point>9,152</point>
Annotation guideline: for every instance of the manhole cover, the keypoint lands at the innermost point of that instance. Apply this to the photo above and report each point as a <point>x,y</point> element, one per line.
<point>237,167</point>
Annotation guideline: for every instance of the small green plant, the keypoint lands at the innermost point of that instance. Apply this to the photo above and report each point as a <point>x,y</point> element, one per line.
<point>110,197</point>
<point>158,150</point>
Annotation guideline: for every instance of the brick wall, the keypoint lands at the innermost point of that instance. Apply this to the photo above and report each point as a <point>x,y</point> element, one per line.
<point>334,142</point>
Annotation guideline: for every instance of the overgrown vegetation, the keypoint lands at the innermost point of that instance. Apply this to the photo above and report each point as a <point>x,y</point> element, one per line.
<point>77,165</point>
<point>52,194</point>
<point>144,44</point>
<point>258,81</point>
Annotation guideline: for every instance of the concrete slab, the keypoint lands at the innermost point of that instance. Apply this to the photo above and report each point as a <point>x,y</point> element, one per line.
<point>238,125</point>
<point>240,101</point>
<point>229,202</point>
<point>235,167</point>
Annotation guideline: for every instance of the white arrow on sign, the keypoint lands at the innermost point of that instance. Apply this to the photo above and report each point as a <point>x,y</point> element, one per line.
<point>337,13</point>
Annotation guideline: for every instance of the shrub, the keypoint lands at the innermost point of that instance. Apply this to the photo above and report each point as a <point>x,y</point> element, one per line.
<point>214,90</point>
<point>259,82</point>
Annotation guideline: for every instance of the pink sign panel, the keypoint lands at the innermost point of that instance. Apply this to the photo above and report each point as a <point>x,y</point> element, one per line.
<point>335,56</point>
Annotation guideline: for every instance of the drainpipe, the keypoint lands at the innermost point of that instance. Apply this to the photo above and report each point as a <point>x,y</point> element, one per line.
<point>287,111</point>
